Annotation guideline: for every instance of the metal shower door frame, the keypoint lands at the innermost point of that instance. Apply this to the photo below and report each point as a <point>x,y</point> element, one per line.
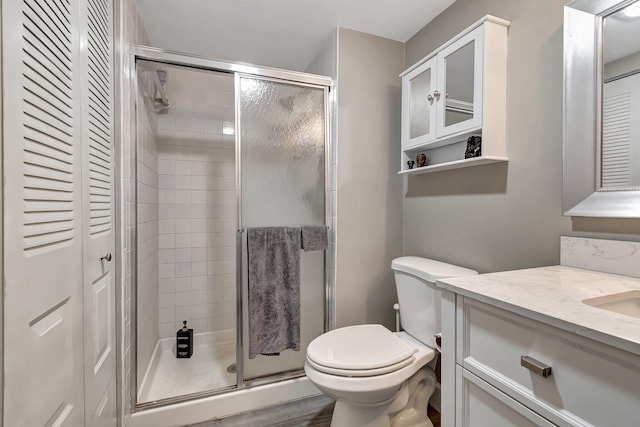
<point>146,53</point>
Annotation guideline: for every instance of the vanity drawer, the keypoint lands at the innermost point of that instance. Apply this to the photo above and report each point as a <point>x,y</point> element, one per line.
<point>590,383</point>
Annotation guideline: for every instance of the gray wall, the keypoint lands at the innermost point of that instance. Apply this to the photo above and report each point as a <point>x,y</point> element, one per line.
<point>369,191</point>
<point>501,217</point>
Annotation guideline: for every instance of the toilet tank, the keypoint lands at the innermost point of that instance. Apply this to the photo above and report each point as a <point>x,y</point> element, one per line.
<point>418,297</point>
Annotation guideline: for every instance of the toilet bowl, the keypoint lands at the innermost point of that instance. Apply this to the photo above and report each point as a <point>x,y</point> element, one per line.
<point>380,378</point>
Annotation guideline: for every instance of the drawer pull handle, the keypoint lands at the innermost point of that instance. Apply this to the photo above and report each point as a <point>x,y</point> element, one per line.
<point>535,366</point>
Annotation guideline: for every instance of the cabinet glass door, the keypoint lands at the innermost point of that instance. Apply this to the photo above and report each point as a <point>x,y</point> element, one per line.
<point>460,73</point>
<point>420,103</point>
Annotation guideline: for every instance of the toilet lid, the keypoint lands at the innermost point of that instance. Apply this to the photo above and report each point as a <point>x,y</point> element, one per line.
<point>361,347</point>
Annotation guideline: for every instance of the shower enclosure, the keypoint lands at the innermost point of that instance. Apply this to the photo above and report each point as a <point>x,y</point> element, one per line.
<point>220,148</point>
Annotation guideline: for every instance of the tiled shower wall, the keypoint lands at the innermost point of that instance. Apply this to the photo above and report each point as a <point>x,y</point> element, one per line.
<point>197,218</point>
<point>147,220</point>
<point>131,31</point>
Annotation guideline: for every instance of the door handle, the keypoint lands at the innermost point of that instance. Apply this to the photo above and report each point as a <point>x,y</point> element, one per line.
<point>106,257</point>
<point>535,366</point>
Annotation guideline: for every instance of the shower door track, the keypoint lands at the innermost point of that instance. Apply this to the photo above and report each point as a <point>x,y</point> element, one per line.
<point>147,53</point>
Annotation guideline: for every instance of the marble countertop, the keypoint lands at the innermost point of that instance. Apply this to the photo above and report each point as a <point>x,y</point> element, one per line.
<point>553,295</point>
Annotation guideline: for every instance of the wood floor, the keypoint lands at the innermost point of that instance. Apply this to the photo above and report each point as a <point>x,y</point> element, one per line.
<point>311,412</point>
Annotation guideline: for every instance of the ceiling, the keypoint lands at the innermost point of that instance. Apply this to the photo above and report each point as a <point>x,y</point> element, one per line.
<point>277,33</point>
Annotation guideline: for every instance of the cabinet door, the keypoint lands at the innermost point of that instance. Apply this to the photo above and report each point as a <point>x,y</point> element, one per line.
<point>42,215</point>
<point>460,70</point>
<point>96,17</point>
<point>479,404</point>
<point>419,105</point>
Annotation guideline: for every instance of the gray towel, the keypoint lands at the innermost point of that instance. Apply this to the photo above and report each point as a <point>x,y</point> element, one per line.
<point>274,289</point>
<point>314,238</point>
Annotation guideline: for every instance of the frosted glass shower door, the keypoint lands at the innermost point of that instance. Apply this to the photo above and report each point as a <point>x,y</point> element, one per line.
<point>282,133</point>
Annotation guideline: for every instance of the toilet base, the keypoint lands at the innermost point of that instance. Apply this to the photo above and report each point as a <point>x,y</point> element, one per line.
<point>408,408</point>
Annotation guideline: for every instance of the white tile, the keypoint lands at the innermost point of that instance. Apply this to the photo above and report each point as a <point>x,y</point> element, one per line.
<point>182,269</point>
<point>199,182</point>
<point>183,182</point>
<point>215,267</point>
<point>228,294</point>
<point>215,239</point>
<point>199,240</point>
<point>183,197</point>
<point>166,315</point>
<point>166,256</point>
<point>167,330</point>
<point>199,283</point>
<point>166,271</point>
<point>167,211</point>
<point>198,324</point>
<point>183,284</point>
<point>183,226</point>
<point>183,255</point>
<point>167,181</point>
<point>199,254</point>
<point>199,268</point>
<point>167,226</point>
<point>166,166</point>
<point>182,299</point>
<point>183,241</point>
<point>200,168</point>
<point>199,197</point>
<point>198,296</point>
<point>167,196</point>
<point>167,285</point>
<point>183,167</point>
<point>166,241</point>
<point>199,211</point>
<point>167,300</point>
<point>199,311</point>
<point>199,225</point>
<point>183,313</point>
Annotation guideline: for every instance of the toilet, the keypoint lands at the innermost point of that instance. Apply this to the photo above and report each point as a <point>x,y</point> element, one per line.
<point>380,378</point>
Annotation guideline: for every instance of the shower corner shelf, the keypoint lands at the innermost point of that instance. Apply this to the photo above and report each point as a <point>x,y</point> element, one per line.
<point>476,161</point>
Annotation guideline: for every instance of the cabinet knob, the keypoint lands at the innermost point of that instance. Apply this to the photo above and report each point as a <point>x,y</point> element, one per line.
<point>106,257</point>
<point>436,94</point>
<point>430,98</point>
<point>535,366</point>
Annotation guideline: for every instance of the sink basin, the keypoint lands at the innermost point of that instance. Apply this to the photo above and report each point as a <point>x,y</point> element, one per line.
<point>627,303</point>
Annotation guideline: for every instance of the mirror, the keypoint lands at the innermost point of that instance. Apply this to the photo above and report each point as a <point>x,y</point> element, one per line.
<point>459,85</point>
<point>601,164</point>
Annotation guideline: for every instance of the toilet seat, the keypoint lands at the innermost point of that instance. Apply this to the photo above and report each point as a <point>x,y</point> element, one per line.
<point>359,351</point>
<point>361,372</point>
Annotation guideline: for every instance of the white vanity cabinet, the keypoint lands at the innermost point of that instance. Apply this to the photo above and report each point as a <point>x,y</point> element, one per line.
<point>498,373</point>
<point>457,91</point>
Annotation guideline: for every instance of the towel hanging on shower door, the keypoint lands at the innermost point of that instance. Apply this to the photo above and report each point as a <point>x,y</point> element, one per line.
<point>274,289</point>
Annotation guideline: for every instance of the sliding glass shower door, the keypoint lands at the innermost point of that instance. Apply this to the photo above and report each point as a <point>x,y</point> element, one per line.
<point>281,163</point>
<point>219,148</point>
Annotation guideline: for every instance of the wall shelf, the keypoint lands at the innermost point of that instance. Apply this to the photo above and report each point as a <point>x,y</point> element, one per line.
<point>476,161</point>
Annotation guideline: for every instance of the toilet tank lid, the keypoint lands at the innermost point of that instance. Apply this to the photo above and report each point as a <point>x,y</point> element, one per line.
<point>429,269</point>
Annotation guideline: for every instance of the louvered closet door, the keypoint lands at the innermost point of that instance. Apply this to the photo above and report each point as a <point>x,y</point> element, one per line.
<point>621,103</point>
<point>98,218</point>
<point>42,215</point>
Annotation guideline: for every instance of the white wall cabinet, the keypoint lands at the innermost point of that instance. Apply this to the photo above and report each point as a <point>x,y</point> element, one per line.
<point>457,91</point>
<point>590,383</point>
